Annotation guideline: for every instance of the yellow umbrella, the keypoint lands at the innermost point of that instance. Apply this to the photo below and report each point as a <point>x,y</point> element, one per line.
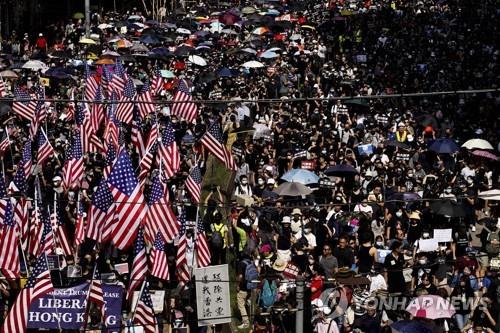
<point>308,27</point>
<point>105,61</point>
<point>260,31</point>
<point>87,41</point>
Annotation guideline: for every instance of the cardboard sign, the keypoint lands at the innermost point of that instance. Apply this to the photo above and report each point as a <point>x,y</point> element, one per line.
<point>212,295</point>
<point>309,165</point>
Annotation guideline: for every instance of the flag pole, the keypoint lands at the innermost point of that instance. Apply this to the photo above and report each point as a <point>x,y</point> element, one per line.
<point>54,299</point>
<point>138,298</point>
<point>195,244</point>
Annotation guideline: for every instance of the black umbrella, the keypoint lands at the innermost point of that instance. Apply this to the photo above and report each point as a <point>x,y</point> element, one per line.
<point>341,170</point>
<point>405,196</point>
<point>448,208</point>
<point>292,189</point>
<point>397,144</point>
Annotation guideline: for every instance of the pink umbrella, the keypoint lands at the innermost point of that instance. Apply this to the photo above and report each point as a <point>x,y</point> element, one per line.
<point>430,307</point>
<point>485,154</point>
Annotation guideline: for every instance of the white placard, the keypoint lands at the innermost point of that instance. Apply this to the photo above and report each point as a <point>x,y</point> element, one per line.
<point>442,235</point>
<point>427,245</point>
<point>157,297</point>
<point>381,254</point>
<point>212,295</point>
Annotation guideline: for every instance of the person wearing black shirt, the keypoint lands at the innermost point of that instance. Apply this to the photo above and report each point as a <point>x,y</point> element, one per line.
<point>344,254</point>
<point>394,264</point>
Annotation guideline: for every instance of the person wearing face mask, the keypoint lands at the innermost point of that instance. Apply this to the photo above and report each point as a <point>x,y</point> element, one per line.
<point>426,287</point>
<point>310,237</point>
<point>259,188</point>
<point>461,294</point>
<point>364,207</point>
<point>243,188</point>
<point>486,314</point>
<point>394,264</point>
<point>414,228</point>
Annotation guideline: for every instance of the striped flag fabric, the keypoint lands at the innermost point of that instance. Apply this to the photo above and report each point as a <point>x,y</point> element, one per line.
<point>112,130</point>
<point>202,249</point>
<point>101,214</point>
<point>119,79</point>
<point>147,160</point>
<point>160,217</point>
<point>97,111</point>
<point>139,264</point>
<point>158,259</point>
<point>39,283</point>
<point>214,142</point>
<point>91,85</point>
<point>144,313</point>
<point>193,184</point>
<point>181,265</point>
<point>61,238</point>
<point>45,149</point>
<point>36,231</point>
<point>47,243</point>
<point>110,158</point>
<point>26,158</point>
<point>80,224</point>
<point>145,101</point>
<point>4,143</point>
<point>18,184</point>
<point>183,107</point>
<point>21,217</point>
<point>3,89</point>
<point>138,136</point>
<point>168,152</point>
<point>35,122</point>
<point>157,81</point>
<point>96,294</point>
<point>74,166</point>
<point>23,106</point>
<point>125,107</point>
<point>129,199</point>
<point>9,240</point>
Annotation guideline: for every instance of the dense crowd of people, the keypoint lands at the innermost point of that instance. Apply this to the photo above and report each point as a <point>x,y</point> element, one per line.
<point>359,109</point>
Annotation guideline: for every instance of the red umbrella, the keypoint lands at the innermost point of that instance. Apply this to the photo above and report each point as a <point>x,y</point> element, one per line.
<point>228,19</point>
<point>485,154</point>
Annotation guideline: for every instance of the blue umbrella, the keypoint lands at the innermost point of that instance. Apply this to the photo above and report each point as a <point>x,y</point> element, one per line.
<point>150,39</point>
<point>300,176</point>
<point>444,146</point>
<point>411,326</point>
<point>226,72</point>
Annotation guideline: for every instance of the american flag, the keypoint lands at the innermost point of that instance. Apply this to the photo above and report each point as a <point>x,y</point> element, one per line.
<point>145,101</point>
<point>35,121</point>
<point>101,214</point>
<point>22,105</point>
<point>110,158</point>
<point>70,109</point>
<point>119,78</point>
<point>112,131</point>
<point>3,189</point>
<point>158,258</point>
<point>160,217</point>
<point>157,81</point>
<point>181,265</point>
<point>21,217</point>
<point>168,152</point>
<point>138,136</point>
<point>41,109</point>
<point>80,223</point>
<point>36,230</point>
<point>90,141</point>
<point>106,79</point>
<point>39,283</point>
<point>202,248</point>
<point>9,260</point>
<point>96,295</point>
<point>139,264</point>
<point>125,108</point>
<point>214,142</point>
<point>47,243</point>
<point>91,84</point>
<point>97,111</point>
<point>147,159</point>
<point>130,205</point>
<point>80,111</point>
<point>45,149</point>
<point>184,107</point>
<point>26,158</point>
<point>18,184</point>
<point>193,184</point>
<point>2,89</point>
<point>73,169</point>
<point>144,313</point>
<point>61,238</point>
<point>5,143</point>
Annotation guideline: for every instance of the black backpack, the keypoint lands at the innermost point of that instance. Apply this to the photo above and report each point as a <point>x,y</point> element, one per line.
<point>217,240</point>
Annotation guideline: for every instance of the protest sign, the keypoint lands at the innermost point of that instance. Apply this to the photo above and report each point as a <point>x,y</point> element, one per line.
<point>427,245</point>
<point>381,254</point>
<point>157,297</point>
<point>65,308</point>
<point>442,235</point>
<point>212,295</point>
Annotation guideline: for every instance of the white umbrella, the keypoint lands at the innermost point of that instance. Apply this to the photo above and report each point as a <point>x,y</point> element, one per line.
<point>305,52</point>
<point>295,37</point>
<point>253,64</point>
<point>103,26</point>
<point>197,60</point>
<point>273,49</point>
<point>493,195</point>
<point>477,144</point>
<point>111,53</point>
<point>268,55</point>
<point>87,41</point>
<point>35,65</point>
<point>183,31</point>
<point>249,50</point>
<point>261,130</point>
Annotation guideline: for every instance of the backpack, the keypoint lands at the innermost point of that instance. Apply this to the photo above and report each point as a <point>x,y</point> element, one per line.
<point>217,240</point>
<point>268,294</point>
<point>251,275</point>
